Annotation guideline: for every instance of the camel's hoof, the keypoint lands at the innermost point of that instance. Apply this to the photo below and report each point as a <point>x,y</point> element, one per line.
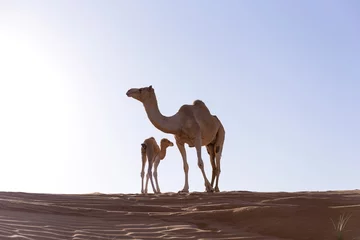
<point>183,191</point>
<point>209,189</point>
<point>217,189</point>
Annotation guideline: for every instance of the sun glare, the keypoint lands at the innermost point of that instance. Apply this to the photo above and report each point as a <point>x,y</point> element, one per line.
<point>34,107</point>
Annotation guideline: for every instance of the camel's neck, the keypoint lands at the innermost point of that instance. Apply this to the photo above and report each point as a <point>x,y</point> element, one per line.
<point>161,122</point>
<point>162,153</point>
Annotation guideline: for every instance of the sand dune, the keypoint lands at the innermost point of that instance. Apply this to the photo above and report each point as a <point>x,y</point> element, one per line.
<point>226,215</point>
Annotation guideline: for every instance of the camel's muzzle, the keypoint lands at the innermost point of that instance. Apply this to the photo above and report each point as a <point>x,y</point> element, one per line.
<point>130,92</point>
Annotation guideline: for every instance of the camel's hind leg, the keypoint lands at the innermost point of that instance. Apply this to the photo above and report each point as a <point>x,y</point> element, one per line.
<point>156,164</point>
<point>149,175</point>
<point>219,144</point>
<point>211,151</point>
<point>217,168</point>
<point>208,186</point>
<point>143,159</point>
<point>142,176</point>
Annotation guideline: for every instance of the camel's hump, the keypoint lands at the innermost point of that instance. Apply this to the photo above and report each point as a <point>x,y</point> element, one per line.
<point>201,105</point>
<point>150,139</point>
<point>198,102</point>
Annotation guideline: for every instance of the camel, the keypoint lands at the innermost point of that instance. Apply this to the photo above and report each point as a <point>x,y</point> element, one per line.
<point>192,124</point>
<point>154,153</point>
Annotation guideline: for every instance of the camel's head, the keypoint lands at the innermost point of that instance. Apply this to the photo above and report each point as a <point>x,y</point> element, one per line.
<point>141,94</point>
<point>166,143</point>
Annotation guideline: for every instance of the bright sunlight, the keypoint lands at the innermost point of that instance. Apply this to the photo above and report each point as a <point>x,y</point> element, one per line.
<point>34,105</point>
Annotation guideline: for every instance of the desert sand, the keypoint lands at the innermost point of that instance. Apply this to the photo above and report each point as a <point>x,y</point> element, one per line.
<point>224,215</point>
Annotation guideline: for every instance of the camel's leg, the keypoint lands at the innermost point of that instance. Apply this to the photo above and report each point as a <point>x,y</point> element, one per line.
<point>219,145</point>
<point>201,164</point>
<point>210,150</point>
<point>142,174</point>
<point>149,175</point>
<point>156,164</point>
<point>181,148</point>
<point>217,169</point>
<point>146,183</point>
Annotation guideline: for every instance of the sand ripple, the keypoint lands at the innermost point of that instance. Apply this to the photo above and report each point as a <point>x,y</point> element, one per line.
<point>226,215</point>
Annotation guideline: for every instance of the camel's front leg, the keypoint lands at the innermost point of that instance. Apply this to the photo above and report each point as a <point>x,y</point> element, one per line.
<point>156,164</point>
<point>181,148</point>
<point>209,188</point>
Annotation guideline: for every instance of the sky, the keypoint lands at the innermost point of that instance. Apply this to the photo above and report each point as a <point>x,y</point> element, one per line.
<point>282,76</point>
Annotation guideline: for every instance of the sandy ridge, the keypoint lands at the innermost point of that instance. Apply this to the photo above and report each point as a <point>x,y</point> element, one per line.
<point>225,215</point>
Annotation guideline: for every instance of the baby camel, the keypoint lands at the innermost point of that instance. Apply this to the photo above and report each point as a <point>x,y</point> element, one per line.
<point>154,153</point>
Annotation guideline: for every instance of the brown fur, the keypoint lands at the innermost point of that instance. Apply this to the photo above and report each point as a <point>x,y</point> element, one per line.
<point>152,153</point>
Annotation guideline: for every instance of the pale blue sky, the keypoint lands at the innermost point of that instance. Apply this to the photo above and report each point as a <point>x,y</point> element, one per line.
<point>282,76</point>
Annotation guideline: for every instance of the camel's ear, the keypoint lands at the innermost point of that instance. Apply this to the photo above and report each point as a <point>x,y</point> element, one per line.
<point>150,87</point>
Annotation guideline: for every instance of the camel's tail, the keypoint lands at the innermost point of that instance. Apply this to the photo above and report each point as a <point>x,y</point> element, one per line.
<point>143,152</point>
<point>220,138</point>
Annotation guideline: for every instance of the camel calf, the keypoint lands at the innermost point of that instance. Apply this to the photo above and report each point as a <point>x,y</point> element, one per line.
<point>151,152</point>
